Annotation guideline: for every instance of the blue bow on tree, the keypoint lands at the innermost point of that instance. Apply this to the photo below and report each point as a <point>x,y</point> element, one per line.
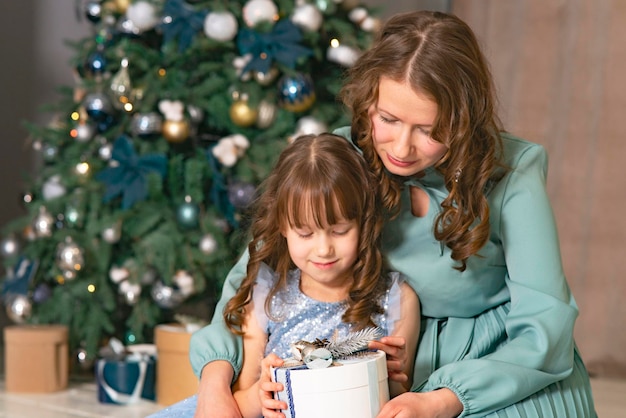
<point>281,44</point>
<point>18,280</point>
<point>219,191</point>
<point>182,22</point>
<point>129,177</point>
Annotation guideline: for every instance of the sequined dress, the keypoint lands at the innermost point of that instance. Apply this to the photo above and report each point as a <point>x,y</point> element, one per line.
<point>299,317</point>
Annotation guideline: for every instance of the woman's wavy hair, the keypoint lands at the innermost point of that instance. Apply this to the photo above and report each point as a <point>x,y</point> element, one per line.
<point>320,179</point>
<point>438,55</point>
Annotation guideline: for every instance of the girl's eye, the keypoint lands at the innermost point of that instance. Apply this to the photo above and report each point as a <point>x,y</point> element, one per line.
<point>303,234</point>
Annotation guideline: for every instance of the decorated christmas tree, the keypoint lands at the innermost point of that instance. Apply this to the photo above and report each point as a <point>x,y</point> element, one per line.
<point>178,111</point>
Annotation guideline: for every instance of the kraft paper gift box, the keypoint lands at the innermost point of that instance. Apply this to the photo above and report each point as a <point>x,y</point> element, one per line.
<point>36,358</point>
<point>175,378</point>
<point>125,379</point>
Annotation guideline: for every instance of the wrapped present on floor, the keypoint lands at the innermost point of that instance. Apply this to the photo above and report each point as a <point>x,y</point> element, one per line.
<point>126,374</point>
<point>36,358</point>
<point>175,378</point>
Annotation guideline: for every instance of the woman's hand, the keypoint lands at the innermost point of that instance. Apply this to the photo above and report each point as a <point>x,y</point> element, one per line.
<point>395,348</point>
<point>441,403</point>
<point>269,405</point>
<point>214,395</point>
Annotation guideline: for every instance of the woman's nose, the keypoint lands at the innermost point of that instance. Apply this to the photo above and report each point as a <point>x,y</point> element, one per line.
<point>402,144</point>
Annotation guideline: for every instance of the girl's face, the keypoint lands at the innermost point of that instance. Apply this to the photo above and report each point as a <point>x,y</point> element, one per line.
<point>402,121</point>
<point>325,256</point>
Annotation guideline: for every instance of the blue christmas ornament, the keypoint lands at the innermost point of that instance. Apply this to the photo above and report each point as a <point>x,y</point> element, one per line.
<point>96,63</point>
<point>42,293</point>
<point>296,92</point>
<point>188,214</point>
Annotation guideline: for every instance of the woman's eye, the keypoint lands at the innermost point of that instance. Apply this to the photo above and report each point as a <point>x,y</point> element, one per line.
<point>425,131</point>
<point>385,120</point>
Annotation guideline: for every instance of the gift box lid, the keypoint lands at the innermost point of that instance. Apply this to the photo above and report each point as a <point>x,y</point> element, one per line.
<point>350,374</point>
<point>172,337</point>
<point>35,334</point>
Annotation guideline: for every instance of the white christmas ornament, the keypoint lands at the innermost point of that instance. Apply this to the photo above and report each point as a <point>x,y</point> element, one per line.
<point>143,15</point>
<point>117,274</point>
<point>343,55</point>
<point>53,188</point>
<point>172,110</point>
<point>239,63</point>
<point>370,24</point>
<point>208,244</point>
<point>308,125</point>
<point>184,282</point>
<point>307,16</point>
<point>256,11</point>
<point>221,26</point>
<point>357,14</point>
<point>230,148</point>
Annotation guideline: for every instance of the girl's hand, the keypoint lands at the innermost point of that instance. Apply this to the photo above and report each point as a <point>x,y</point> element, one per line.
<point>395,348</point>
<point>441,403</point>
<point>269,405</point>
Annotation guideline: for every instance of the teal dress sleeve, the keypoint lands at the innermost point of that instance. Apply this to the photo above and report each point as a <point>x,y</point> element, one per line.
<point>215,341</point>
<point>536,348</point>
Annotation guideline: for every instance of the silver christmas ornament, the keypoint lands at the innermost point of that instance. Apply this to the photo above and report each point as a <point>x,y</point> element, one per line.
<point>266,114</point>
<point>70,258</point>
<point>166,297</point>
<point>19,308</point>
<point>9,246</point>
<point>43,224</point>
<point>84,132</point>
<point>145,124</point>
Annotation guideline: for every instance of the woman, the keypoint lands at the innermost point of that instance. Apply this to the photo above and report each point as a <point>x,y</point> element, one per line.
<point>474,232</point>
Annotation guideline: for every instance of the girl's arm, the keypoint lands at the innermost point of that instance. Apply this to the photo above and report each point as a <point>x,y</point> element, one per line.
<point>401,345</point>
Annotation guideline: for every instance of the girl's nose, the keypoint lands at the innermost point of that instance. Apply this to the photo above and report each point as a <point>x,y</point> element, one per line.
<point>324,246</point>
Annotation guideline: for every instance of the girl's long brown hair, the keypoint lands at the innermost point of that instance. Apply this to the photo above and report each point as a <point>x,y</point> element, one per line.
<point>321,179</point>
<point>437,54</point>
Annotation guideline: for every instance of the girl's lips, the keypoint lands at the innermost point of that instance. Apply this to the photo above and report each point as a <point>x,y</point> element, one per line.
<point>324,266</point>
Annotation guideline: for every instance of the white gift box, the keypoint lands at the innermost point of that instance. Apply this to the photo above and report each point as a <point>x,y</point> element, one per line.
<point>356,388</point>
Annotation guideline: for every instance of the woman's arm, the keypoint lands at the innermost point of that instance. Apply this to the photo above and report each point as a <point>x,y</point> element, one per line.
<point>216,354</point>
<point>246,389</point>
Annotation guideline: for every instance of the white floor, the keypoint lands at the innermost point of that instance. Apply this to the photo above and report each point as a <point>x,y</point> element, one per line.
<point>81,400</point>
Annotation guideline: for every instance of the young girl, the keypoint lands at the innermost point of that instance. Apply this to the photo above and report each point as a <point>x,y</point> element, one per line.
<point>315,269</point>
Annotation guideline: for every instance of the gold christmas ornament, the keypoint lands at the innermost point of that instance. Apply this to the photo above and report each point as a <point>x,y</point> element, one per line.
<point>242,114</point>
<point>175,131</point>
<point>121,5</point>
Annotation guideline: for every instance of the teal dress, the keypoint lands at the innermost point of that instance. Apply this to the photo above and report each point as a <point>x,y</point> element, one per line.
<point>499,334</point>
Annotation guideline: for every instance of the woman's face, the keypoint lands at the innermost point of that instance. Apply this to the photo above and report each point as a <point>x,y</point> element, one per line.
<point>402,121</point>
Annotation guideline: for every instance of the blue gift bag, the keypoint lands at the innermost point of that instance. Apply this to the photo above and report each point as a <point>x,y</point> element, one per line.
<point>125,381</point>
